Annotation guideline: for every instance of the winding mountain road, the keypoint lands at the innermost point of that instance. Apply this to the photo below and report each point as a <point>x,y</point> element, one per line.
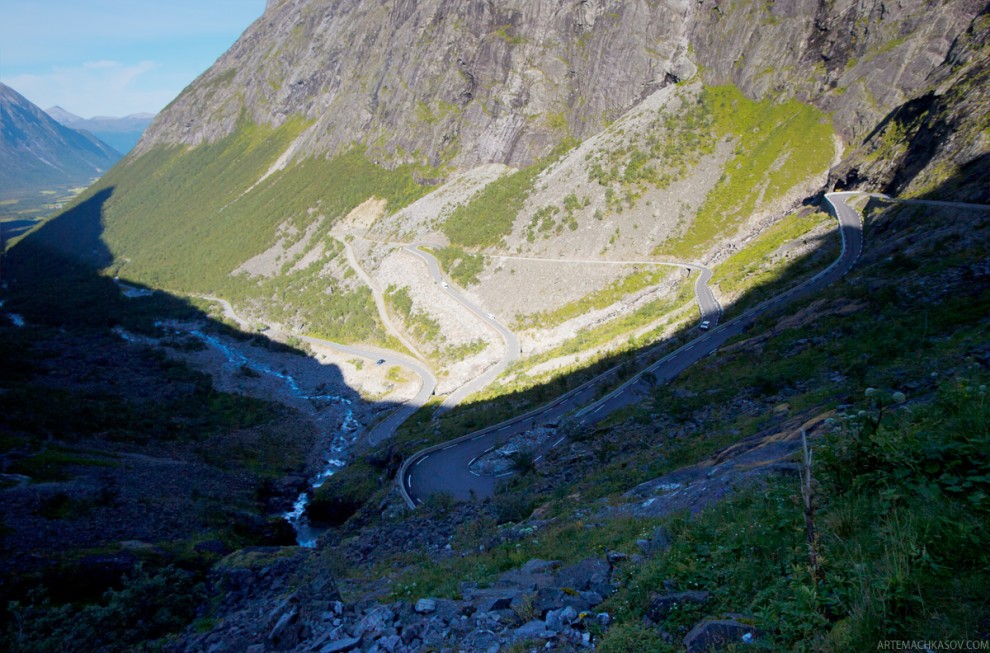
<point>386,428</point>
<point>512,349</point>
<point>446,467</point>
<point>379,297</point>
<point>707,304</point>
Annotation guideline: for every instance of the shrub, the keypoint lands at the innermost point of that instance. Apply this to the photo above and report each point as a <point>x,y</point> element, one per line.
<point>147,607</point>
<point>490,215</point>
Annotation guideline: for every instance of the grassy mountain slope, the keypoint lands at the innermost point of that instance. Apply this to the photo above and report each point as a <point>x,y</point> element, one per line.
<point>186,220</point>
<point>894,399</point>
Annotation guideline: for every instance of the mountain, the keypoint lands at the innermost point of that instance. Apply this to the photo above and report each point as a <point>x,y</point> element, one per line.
<point>120,133</point>
<point>699,124</point>
<point>487,83</point>
<point>588,361</point>
<point>36,152</point>
<point>62,116</point>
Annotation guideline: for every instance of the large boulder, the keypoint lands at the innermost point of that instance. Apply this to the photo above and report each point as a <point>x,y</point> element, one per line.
<point>342,645</point>
<point>287,631</point>
<point>552,598</point>
<point>658,543</point>
<point>535,629</point>
<point>537,566</point>
<point>715,635</point>
<point>490,600</point>
<point>374,624</point>
<point>593,574</point>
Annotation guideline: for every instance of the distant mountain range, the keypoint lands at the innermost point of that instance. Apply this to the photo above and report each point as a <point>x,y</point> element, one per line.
<point>37,152</point>
<point>122,134</point>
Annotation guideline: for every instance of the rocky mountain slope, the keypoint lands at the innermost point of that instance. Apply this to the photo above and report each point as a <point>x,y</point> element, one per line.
<point>481,82</point>
<point>697,132</point>
<point>36,152</point>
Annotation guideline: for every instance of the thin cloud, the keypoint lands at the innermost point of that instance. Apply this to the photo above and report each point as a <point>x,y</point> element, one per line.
<point>89,88</point>
<point>114,57</point>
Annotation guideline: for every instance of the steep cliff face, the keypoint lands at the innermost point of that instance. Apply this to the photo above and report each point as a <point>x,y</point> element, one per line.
<point>857,59</point>
<point>480,82</point>
<point>464,82</point>
<point>937,144</point>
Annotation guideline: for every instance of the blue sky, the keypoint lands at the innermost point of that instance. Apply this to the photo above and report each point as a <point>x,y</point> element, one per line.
<point>114,57</point>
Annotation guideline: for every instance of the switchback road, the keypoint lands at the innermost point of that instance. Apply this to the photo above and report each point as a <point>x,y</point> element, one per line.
<point>709,308</point>
<point>446,467</point>
<point>508,337</point>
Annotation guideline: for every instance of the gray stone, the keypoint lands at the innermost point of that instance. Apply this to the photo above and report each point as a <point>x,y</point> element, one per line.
<point>286,632</point>
<point>568,614</point>
<point>390,644</point>
<point>285,606</point>
<point>411,633</point>
<point>592,598</point>
<point>535,629</point>
<point>715,635</point>
<point>615,557</point>
<point>546,599</point>
<point>481,640</point>
<point>342,645</point>
<point>523,581</point>
<point>508,617</point>
<point>461,625</point>
<point>559,620</point>
<point>604,619</point>
<point>447,610</point>
<point>662,605</point>
<point>426,606</point>
<point>493,599</point>
<point>661,540</point>
<point>375,623</point>
<point>592,574</point>
<point>537,566</point>
<point>553,621</point>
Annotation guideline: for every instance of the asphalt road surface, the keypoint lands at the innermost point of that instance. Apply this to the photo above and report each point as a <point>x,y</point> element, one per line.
<point>446,467</point>
<point>508,337</point>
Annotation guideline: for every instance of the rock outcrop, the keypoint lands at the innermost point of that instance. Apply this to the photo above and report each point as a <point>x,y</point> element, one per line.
<point>467,83</point>
<point>460,82</point>
<point>543,601</point>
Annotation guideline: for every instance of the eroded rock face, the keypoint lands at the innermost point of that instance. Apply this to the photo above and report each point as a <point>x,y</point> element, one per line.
<point>477,82</point>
